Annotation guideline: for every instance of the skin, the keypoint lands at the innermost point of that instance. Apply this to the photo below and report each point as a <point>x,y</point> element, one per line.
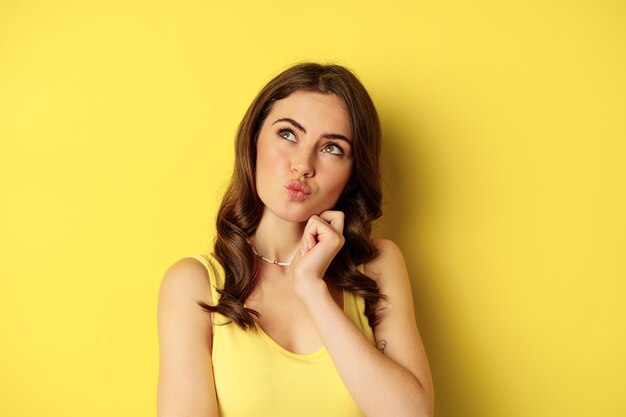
<point>323,164</point>
<point>284,153</point>
<point>397,380</point>
<point>389,379</point>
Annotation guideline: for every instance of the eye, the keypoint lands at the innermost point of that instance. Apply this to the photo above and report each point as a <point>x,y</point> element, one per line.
<point>331,146</point>
<point>284,133</point>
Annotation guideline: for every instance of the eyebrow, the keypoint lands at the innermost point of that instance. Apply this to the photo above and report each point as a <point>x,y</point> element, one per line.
<point>325,135</point>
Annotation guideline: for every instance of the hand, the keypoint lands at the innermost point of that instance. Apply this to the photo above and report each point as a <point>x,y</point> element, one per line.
<point>321,241</point>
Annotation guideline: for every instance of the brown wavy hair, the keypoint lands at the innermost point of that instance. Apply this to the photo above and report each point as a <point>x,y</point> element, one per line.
<point>241,207</point>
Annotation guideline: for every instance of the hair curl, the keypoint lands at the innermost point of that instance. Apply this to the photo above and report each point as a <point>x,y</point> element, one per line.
<point>241,207</point>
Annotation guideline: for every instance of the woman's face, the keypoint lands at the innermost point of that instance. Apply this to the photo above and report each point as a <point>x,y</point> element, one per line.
<point>305,137</point>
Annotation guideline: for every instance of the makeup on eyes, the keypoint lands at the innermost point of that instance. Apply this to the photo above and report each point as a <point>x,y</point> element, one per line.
<point>280,131</point>
<point>325,135</point>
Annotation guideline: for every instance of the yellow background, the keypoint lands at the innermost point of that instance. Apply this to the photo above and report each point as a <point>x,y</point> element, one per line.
<point>503,160</point>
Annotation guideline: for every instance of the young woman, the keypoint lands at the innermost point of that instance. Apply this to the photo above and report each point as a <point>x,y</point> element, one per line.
<point>305,314</point>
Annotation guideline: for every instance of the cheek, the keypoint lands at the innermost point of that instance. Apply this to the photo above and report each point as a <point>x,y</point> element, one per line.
<point>270,164</point>
<point>271,159</point>
<point>336,179</point>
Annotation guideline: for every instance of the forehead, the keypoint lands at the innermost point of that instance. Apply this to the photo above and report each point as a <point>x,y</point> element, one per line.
<point>313,110</point>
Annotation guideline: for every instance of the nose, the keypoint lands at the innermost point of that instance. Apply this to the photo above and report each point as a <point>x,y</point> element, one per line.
<point>302,163</point>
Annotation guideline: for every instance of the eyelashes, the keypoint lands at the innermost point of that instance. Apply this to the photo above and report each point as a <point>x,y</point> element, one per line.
<point>281,132</point>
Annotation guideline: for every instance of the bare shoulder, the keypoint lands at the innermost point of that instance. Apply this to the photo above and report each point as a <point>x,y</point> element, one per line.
<point>187,276</point>
<point>389,258</point>
<point>185,385</point>
<point>184,284</point>
<point>389,270</point>
<point>387,248</point>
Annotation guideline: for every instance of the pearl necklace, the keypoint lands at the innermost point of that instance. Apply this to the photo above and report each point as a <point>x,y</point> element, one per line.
<point>275,262</point>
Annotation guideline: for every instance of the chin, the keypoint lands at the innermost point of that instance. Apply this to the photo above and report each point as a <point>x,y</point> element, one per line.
<point>297,213</point>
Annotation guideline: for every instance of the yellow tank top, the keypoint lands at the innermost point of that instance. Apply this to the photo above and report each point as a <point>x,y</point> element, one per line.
<point>257,377</point>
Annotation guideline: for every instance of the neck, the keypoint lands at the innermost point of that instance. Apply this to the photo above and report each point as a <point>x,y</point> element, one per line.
<point>277,239</point>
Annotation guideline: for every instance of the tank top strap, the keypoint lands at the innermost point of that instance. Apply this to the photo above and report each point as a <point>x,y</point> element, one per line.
<point>215,279</point>
<point>354,307</point>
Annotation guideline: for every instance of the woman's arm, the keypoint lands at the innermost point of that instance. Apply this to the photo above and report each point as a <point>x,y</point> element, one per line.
<point>185,387</point>
<point>392,381</point>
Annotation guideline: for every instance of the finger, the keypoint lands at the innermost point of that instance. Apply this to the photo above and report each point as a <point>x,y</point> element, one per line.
<point>309,235</point>
<point>308,240</point>
<point>312,241</point>
<point>317,230</point>
<point>335,218</point>
<point>312,231</point>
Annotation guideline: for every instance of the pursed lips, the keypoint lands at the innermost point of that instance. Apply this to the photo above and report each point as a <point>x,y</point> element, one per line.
<point>296,185</point>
